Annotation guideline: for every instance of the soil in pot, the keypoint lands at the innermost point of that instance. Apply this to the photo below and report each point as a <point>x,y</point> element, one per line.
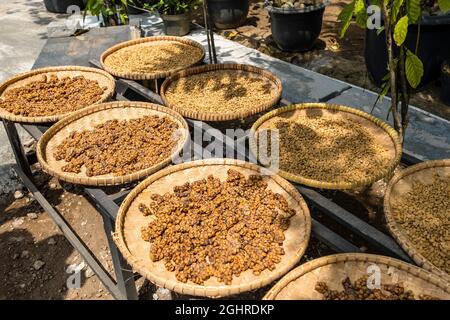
<point>228,14</point>
<point>296,24</point>
<point>445,82</point>
<point>177,24</point>
<point>60,6</point>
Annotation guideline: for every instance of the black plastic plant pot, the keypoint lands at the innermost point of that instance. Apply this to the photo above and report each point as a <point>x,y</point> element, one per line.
<point>177,25</point>
<point>228,14</point>
<point>60,6</point>
<point>296,29</point>
<point>434,48</point>
<point>445,83</point>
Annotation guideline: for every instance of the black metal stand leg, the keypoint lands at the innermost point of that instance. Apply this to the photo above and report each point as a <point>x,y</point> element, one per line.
<point>124,273</point>
<point>16,145</point>
<point>209,34</point>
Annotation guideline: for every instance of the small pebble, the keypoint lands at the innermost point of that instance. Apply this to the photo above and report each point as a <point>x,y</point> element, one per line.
<point>32,215</point>
<point>51,241</point>
<point>18,194</point>
<point>17,222</point>
<point>38,264</point>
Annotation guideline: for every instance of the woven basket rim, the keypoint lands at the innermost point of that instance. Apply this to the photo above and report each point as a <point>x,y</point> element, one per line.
<point>340,108</point>
<point>396,230</point>
<point>199,290</point>
<point>355,257</point>
<point>106,181</point>
<point>217,116</point>
<point>48,70</point>
<point>149,75</point>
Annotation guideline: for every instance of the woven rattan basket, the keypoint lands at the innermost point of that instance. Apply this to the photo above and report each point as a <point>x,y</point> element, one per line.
<point>149,41</point>
<point>89,118</point>
<point>103,78</point>
<point>400,184</point>
<point>382,132</point>
<point>299,284</point>
<point>218,116</point>
<point>137,251</point>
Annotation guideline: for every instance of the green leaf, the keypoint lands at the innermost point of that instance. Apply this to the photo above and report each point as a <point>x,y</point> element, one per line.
<point>401,30</point>
<point>361,19</point>
<point>413,69</point>
<point>359,6</point>
<point>444,5</point>
<point>346,17</point>
<point>384,89</point>
<point>396,9</point>
<point>413,10</point>
<point>380,30</point>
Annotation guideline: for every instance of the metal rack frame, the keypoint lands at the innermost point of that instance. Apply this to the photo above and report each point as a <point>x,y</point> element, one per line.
<point>122,285</point>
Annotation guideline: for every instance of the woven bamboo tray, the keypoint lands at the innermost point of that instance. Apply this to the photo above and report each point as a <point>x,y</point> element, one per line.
<point>137,251</point>
<point>299,284</point>
<point>149,41</point>
<point>103,78</point>
<point>218,116</point>
<point>381,131</point>
<point>87,119</point>
<point>400,184</point>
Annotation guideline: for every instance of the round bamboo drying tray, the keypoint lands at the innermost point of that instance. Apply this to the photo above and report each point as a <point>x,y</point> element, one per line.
<point>90,117</point>
<point>400,184</point>
<point>381,131</point>
<point>137,251</point>
<point>150,41</point>
<point>103,78</point>
<point>218,116</point>
<point>299,284</point>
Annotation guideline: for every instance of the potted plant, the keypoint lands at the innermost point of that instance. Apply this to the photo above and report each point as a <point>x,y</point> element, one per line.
<point>431,32</point>
<point>404,69</point>
<point>176,14</point>
<point>60,6</point>
<point>228,14</point>
<point>111,12</point>
<point>296,24</point>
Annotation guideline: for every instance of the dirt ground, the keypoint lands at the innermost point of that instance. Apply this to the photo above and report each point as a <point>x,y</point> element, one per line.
<point>35,254</point>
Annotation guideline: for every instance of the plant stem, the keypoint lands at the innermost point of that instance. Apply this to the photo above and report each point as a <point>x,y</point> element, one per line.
<point>404,90</point>
<point>392,70</point>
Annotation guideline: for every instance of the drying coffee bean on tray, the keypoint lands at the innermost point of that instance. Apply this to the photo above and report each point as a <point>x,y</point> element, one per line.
<point>424,216</point>
<point>119,147</point>
<point>358,290</point>
<point>220,91</point>
<point>51,96</point>
<point>153,57</point>
<point>331,150</point>
<point>209,228</point>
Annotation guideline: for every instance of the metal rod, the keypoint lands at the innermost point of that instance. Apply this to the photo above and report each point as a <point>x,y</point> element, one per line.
<point>210,33</point>
<point>124,273</point>
<point>205,16</point>
<point>17,148</point>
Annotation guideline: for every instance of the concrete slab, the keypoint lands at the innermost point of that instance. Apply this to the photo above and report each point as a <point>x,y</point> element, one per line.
<point>79,50</point>
<point>23,29</point>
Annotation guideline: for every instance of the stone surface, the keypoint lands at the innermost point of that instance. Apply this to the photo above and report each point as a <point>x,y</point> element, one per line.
<point>38,264</point>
